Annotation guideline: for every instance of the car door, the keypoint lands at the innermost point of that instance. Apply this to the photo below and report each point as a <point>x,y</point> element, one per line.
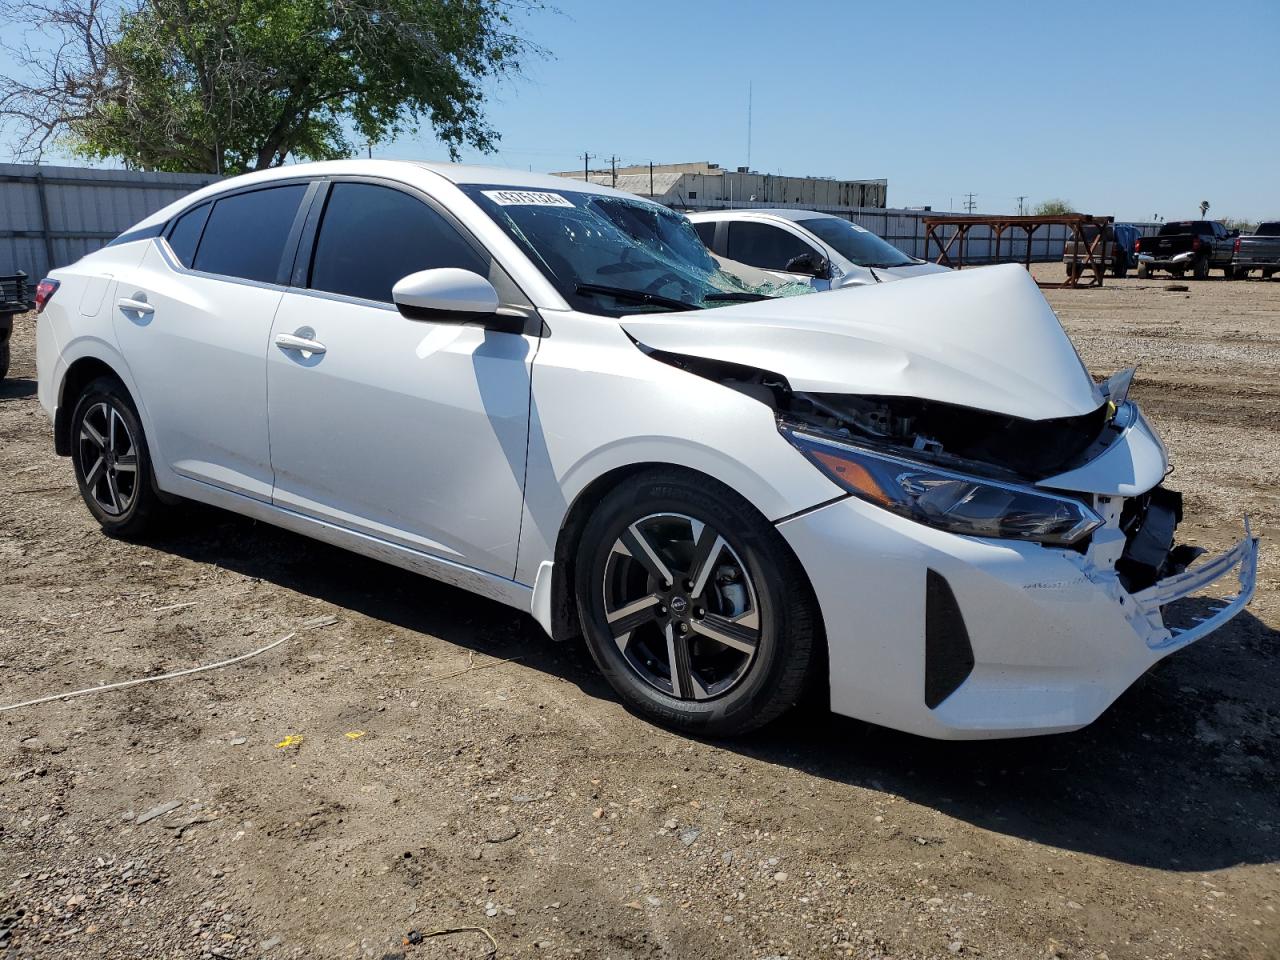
<point>1223,243</point>
<point>192,323</point>
<point>769,247</point>
<point>411,431</point>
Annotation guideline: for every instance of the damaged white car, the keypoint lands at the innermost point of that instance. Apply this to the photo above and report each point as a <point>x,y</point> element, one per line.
<point>910,497</point>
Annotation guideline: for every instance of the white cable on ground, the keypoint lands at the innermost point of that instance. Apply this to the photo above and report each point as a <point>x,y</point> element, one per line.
<point>163,676</point>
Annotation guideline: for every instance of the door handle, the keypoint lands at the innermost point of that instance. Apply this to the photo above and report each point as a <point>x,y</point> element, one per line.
<point>135,306</point>
<point>290,341</point>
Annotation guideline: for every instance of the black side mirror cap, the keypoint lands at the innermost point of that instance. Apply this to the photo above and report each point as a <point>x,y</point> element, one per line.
<point>811,264</point>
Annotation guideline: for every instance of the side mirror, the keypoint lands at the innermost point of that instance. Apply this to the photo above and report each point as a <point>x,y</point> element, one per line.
<point>811,264</point>
<point>445,294</point>
<point>1235,233</point>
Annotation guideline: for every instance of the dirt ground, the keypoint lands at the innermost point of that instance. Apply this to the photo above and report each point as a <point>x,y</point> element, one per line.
<point>455,768</point>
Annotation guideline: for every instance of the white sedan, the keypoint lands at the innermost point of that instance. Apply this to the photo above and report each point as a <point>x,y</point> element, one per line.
<point>911,497</point>
<point>832,251</point>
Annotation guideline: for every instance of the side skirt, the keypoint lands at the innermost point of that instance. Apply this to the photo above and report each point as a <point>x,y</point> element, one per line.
<point>475,581</point>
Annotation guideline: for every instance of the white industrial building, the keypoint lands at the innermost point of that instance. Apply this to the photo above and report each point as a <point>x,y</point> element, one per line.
<point>708,186</point>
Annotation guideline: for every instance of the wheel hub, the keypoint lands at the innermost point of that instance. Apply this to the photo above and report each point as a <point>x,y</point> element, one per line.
<point>680,607</point>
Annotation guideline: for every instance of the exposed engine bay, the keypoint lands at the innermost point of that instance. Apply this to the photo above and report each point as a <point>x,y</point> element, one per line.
<point>947,434</point>
<point>981,442</point>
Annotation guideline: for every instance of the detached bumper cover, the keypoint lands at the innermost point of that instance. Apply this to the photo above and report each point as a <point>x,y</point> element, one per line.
<point>1055,637</point>
<point>1242,558</point>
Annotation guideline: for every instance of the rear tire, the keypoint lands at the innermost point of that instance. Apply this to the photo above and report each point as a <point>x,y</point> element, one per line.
<point>1268,274</point>
<point>1200,269</point>
<point>670,566</point>
<point>111,462</point>
<point>1143,271</point>
<point>4,358</point>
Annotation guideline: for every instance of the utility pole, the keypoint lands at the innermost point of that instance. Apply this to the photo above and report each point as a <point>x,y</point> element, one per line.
<point>748,126</point>
<point>650,179</point>
<point>586,169</point>
<point>613,168</point>
<point>1020,199</point>
<point>969,204</point>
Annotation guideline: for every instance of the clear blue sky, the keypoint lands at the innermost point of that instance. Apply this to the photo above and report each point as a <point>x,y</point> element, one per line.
<point>940,98</point>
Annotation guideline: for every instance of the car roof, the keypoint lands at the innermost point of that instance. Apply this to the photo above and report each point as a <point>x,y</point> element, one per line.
<point>409,171</point>
<point>782,213</point>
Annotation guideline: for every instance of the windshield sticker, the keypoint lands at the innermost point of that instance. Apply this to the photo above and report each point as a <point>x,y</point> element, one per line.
<point>526,198</point>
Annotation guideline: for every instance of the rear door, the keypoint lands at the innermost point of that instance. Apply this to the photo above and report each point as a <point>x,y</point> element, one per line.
<point>411,431</point>
<point>193,323</point>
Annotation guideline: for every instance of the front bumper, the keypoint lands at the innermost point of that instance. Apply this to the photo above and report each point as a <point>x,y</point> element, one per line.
<point>1054,636</point>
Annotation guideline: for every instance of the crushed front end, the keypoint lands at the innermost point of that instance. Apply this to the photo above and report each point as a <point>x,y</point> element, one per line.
<point>1031,613</point>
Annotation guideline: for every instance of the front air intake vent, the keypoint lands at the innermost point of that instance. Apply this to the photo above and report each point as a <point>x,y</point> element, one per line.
<point>948,656</point>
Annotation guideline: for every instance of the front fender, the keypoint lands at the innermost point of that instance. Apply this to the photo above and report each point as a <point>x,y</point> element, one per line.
<point>600,404</point>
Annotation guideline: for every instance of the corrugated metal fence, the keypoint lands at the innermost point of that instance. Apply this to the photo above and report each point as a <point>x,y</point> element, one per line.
<point>52,216</point>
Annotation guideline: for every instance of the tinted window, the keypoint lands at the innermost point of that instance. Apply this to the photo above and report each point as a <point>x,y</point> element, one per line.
<point>857,244</point>
<point>761,245</point>
<point>186,233</point>
<point>246,234</point>
<point>1179,227</point>
<point>706,232</point>
<point>371,237</point>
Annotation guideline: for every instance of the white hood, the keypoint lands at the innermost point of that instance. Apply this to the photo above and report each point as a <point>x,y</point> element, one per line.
<point>983,338</point>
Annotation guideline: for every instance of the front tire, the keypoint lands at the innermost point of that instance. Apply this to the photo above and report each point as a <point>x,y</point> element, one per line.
<point>111,461</point>
<point>693,606</point>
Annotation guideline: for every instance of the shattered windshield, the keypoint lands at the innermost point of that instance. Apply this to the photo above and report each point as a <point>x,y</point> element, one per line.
<point>854,243</point>
<point>616,256</point>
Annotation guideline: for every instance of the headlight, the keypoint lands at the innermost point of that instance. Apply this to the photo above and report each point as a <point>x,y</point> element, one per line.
<point>946,500</point>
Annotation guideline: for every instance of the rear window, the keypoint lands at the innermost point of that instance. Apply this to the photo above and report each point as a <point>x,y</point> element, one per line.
<point>706,230</point>
<point>1271,229</point>
<point>1178,227</point>
<point>246,233</point>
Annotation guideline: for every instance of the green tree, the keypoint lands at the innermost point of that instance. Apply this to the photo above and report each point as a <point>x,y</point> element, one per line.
<point>1053,208</point>
<point>226,86</point>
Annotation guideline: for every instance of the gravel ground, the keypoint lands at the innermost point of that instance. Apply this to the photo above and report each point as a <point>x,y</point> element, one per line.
<point>416,759</point>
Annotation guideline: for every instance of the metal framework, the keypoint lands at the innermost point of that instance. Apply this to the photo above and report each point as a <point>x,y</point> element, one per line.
<point>1092,261</point>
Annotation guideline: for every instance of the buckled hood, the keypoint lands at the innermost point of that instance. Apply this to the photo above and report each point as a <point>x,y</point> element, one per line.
<point>982,338</point>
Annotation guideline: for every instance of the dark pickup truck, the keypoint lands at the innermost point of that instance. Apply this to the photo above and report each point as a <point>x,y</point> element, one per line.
<point>1182,245</point>
<point>1259,250</point>
<point>13,300</point>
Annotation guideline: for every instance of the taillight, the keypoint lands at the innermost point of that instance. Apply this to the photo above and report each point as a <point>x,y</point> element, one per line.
<point>1195,244</point>
<point>1137,245</point>
<point>45,290</point>
<point>1235,247</point>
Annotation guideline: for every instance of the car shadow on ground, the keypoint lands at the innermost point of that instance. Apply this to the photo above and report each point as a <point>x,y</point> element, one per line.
<point>17,388</point>
<point>1179,774</point>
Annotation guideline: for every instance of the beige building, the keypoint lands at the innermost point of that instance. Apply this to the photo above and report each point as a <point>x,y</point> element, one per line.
<point>708,186</point>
